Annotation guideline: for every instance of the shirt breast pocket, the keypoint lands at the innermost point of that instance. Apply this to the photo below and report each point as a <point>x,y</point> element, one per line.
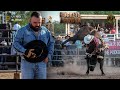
<point>43,38</point>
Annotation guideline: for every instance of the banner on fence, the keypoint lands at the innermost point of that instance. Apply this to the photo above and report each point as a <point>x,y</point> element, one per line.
<point>114,48</point>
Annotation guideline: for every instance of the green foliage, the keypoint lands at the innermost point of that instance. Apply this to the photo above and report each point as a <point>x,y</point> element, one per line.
<point>25,17</point>
<point>86,12</point>
<point>110,21</point>
<point>59,28</point>
<point>100,12</point>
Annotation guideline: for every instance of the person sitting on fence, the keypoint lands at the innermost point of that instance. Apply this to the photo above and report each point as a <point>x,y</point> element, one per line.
<point>68,43</point>
<point>16,27</point>
<point>78,44</point>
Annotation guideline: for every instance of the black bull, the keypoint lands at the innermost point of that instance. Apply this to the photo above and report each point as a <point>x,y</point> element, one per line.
<point>92,59</point>
<point>91,63</point>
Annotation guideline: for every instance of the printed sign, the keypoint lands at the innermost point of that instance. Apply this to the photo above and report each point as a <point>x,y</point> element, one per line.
<point>7,18</point>
<point>114,48</point>
<point>70,17</point>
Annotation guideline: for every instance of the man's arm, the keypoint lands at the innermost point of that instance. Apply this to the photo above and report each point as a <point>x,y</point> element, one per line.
<point>50,44</point>
<point>18,41</point>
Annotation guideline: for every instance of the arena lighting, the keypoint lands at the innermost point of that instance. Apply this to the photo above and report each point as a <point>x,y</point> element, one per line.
<point>70,17</point>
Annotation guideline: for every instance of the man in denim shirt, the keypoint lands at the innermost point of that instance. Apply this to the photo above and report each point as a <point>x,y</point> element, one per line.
<point>33,31</point>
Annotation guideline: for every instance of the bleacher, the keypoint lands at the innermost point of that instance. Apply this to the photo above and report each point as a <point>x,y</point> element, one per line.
<point>7,61</point>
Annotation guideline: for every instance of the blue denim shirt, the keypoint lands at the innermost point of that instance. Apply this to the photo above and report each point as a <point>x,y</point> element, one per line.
<point>26,35</point>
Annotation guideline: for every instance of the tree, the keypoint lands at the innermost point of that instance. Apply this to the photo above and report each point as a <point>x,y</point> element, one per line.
<point>86,12</point>
<point>110,21</point>
<point>59,28</point>
<point>25,15</point>
<point>99,12</point>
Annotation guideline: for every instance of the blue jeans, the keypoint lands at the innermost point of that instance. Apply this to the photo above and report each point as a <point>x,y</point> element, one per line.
<point>33,70</point>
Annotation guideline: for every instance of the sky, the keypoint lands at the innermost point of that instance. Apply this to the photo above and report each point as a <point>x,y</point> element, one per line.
<point>55,14</point>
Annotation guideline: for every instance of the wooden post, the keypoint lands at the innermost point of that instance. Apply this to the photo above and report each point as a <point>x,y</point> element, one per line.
<point>117,28</point>
<point>17,74</point>
<point>67,29</point>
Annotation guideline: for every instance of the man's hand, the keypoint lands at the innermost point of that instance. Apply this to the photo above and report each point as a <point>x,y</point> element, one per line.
<point>30,54</point>
<point>46,60</point>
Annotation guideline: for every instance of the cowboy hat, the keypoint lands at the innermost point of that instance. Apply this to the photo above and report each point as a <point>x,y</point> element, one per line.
<point>88,39</point>
<point>41,51</point>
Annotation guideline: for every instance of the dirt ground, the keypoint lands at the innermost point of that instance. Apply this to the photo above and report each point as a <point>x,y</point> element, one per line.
<point>75,72</point>
<point>60,73</point>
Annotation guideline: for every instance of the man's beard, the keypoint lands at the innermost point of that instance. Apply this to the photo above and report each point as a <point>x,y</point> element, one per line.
<point>34,28</point>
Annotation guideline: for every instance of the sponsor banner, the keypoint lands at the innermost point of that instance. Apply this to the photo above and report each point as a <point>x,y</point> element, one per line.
<point>114,48</point>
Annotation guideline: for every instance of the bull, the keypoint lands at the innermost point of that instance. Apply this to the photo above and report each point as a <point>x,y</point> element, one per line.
<point>92,59</point>
<point>94,52</point>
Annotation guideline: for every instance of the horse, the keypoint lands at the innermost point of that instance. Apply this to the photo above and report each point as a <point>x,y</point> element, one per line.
<point>83,31</point>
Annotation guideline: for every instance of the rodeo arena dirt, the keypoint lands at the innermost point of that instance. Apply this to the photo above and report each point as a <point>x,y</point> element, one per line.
<point>74,71</point>
<point>75,67</point>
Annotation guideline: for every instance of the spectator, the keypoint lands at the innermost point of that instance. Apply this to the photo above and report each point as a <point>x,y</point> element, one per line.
<point>57,52</point>
<point>78,44</point>
<point>16,27</point>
